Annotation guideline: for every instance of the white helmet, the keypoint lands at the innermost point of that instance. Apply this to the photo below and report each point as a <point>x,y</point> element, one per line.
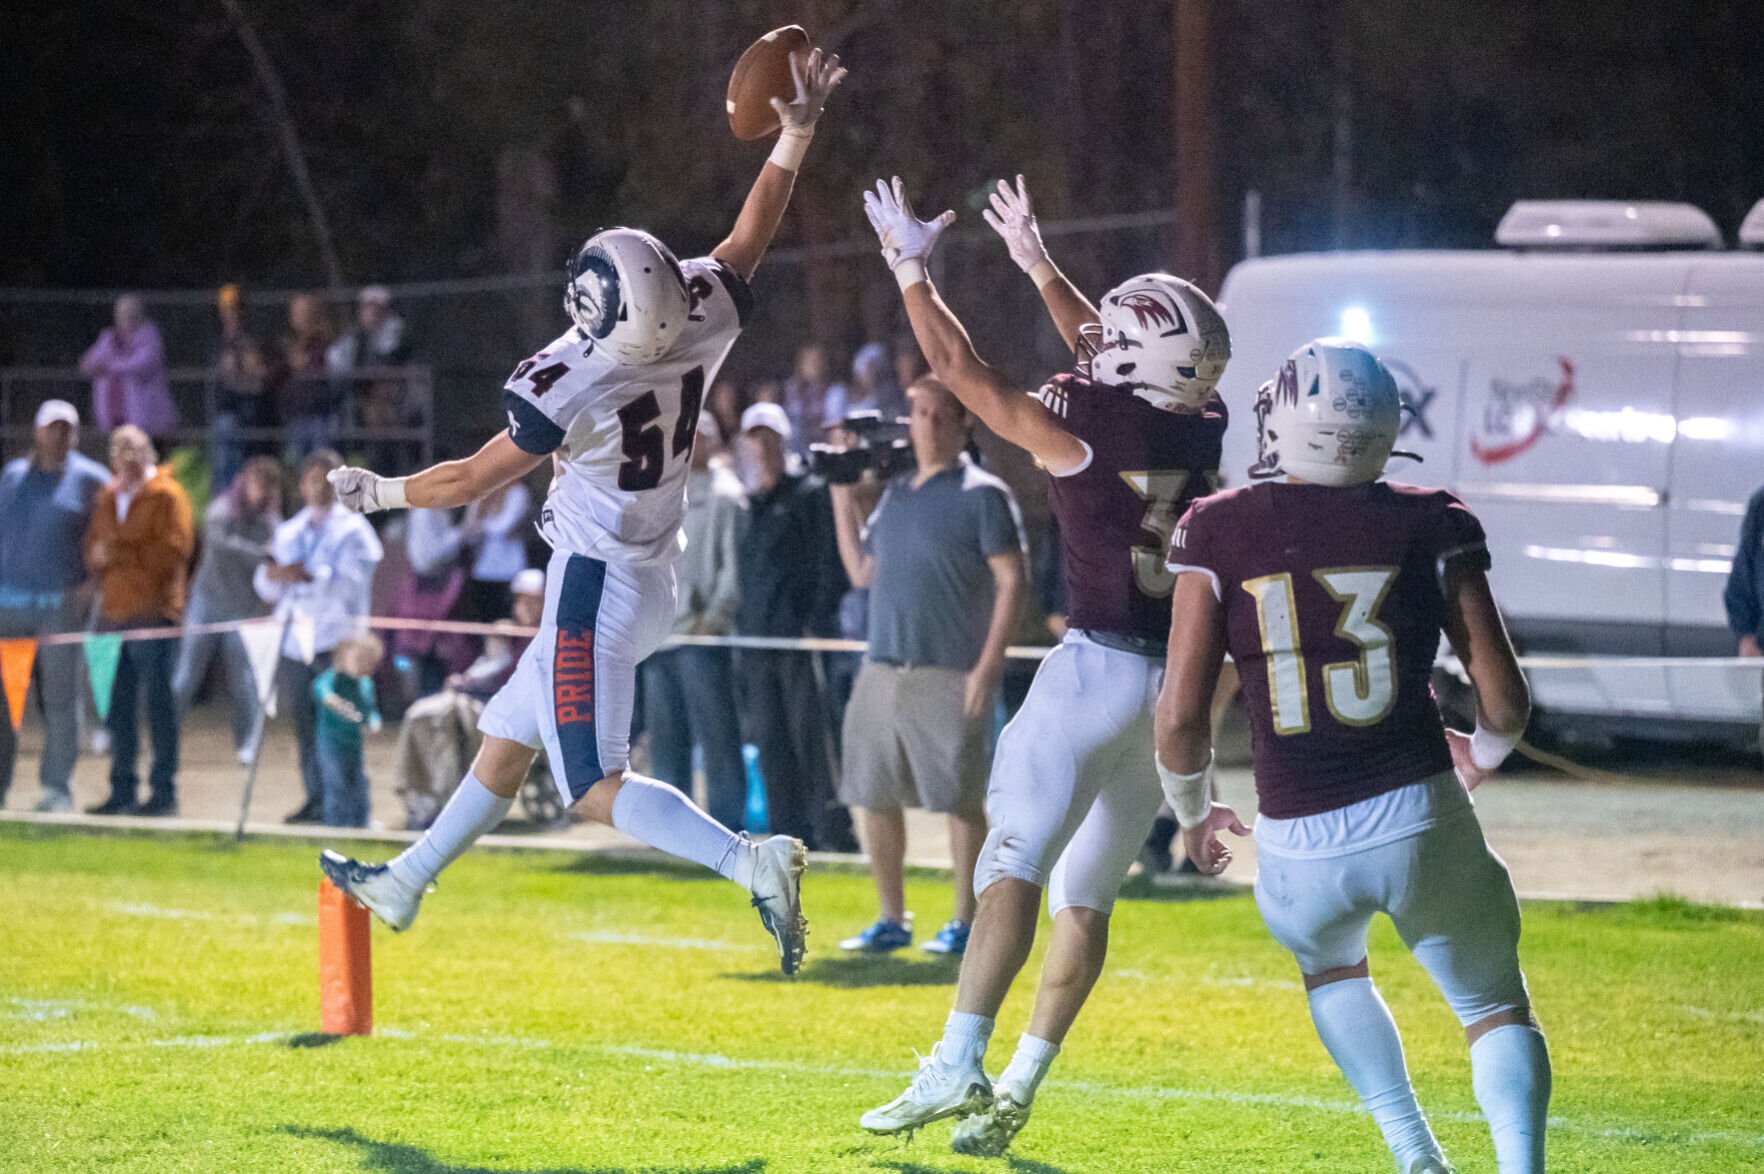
<point>1330,417</point>
<point>1160,338</point>
<point>626,292</point>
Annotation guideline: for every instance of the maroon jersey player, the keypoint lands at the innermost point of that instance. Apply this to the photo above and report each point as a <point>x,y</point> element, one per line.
<point>1128,442</point>
<point>1330,590</point>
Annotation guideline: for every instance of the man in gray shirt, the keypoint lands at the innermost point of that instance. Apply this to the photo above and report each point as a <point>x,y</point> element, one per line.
<point>45,500</point>
<point>942,556</point>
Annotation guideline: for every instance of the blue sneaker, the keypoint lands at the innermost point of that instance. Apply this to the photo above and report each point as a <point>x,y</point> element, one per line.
<point>951,939</point>
<point>883,937</point>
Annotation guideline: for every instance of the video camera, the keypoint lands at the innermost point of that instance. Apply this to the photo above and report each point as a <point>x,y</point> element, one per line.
<point>881,445</point>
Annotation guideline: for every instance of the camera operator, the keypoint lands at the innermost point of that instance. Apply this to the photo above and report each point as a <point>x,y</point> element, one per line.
<point>942,556</point>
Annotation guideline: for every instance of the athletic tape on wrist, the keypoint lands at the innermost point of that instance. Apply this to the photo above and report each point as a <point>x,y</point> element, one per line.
<point>1489,749</point>
<point>1190,796</point>
<point>1042,272</point>
<point>389,493</point>
<point>910,272</point>
<point>791,146</point>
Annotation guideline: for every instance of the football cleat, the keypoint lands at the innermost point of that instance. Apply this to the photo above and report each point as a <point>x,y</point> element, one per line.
<point>989,1134</point>
<point>883,937</point>
<point>777,893</point>
<point>1432,1164</point>
<point>939,1090</point>
<point>374,888</point>
<point>952,939</point>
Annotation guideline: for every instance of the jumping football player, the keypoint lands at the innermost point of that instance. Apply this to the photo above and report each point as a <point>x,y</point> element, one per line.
<point>616,398</point>
<point>1128,442</point>
<point>1330,590</point>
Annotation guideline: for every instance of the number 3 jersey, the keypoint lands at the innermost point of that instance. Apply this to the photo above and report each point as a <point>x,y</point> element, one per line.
<point>623,433</point>
<point>1116,513</point>
<point>1333,611</point>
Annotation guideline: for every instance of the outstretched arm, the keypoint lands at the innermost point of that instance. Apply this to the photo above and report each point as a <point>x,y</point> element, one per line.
<point>1503,699</point>
<point>1021,419</point>
<point>1012,216</point>
<point>770,195</point>
<point>443,486</point>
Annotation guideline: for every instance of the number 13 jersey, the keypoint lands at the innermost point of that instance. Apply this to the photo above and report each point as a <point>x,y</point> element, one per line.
<point>622,433</point>
<point>1333,611</point>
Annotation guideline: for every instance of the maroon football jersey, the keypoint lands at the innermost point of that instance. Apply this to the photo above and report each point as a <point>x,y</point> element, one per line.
<point>1333,612</point>
<point>1116,514</point>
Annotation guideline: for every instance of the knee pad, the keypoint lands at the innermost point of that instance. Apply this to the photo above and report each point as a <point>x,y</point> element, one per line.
<point>1006,853</point>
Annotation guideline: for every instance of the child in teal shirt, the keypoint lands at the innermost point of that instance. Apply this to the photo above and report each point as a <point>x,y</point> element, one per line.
<point>345,696</point>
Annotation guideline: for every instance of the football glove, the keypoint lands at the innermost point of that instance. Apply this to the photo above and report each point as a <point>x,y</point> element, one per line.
<point>1013,217</point>
<point>906,240</point>
<point>365,492</point>
<point>815,79</point>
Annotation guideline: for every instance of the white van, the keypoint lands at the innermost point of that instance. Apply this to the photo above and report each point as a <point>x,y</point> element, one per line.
<point>1595,392</point>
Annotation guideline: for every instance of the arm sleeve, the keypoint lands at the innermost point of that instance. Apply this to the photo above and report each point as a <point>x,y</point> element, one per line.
<point>1195,547</point>
<point>545,395</point>
<point>1458,538</point>
<point>370,703</point>
<point>725,594</point>
<point>342,581</point>
<point>267,590</point>
<point>1742,594</point>
<point>718,293</point>
<point>1001,523</point>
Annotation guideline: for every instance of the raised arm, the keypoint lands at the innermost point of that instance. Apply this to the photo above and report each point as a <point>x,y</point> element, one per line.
<point>1012,216</point>
<point>848,528</point>
<point>770,195</point>
<point>443,486</point>
<point>1021,419</point>
<point>1503,699</point>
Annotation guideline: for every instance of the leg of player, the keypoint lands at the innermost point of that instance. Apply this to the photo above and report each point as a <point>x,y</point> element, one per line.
<point>967,835</point>
<point>1361,1037</point>
<point>394,890</point>
<point>664,818</point>
<point>1510,1071</point>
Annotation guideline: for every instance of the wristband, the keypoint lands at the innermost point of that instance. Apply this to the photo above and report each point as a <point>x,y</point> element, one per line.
<point>1489,749</point>
<point>1190,796</point>
<point>791,146</point>
<point>389,493</point>
<point>909,273</point>
<point>1042,272</point>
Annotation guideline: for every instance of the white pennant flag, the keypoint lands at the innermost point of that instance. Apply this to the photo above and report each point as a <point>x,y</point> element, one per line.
<point>263,646</point>
<point>303,631</point>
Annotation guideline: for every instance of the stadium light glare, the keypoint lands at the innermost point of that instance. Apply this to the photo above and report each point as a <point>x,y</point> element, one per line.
<point>1356,325</point>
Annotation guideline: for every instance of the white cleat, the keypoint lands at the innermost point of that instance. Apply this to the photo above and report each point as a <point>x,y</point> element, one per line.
<point>989,1134</point>
<point>1432,1164</point>
<point>373,887</point>
<point>939,1090</point>
<point>778,865</point>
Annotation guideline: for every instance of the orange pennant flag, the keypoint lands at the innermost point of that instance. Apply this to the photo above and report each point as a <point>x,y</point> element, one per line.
<point>16,658</point>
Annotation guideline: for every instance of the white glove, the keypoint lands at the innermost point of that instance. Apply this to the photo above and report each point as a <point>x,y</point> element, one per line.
<point>815,78</point>
<point>906,240</point>
<point>1013,218</point>
<point>365,492</point>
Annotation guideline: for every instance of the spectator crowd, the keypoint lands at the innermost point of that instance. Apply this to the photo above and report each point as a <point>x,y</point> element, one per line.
<point>928,562</point>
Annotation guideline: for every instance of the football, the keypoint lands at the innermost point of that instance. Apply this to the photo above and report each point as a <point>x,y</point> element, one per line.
<point>763,73</point>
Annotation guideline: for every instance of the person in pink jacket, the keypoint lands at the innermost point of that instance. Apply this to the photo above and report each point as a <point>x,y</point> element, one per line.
<point>127,369</point>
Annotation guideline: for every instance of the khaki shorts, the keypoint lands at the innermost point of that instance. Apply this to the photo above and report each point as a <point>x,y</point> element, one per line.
<point>907,744</point>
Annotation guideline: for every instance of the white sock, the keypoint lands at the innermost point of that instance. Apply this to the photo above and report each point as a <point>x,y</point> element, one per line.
<point>663,818</point>
<point>1024,1074</point>
<point>1356,1027</point>
<point>964,1038</point>
<point>473,810</point>
<point>1510,1071</point>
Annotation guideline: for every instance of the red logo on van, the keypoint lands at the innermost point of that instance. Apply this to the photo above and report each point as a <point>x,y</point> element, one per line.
<point>1522,413</point>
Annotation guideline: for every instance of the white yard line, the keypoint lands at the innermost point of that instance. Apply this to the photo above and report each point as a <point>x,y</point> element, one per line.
<point>1652,1136</point>
<point>162,913</point>
<point>637,939</point>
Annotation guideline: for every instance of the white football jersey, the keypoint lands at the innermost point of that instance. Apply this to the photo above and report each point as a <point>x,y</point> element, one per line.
<point>623,434</point>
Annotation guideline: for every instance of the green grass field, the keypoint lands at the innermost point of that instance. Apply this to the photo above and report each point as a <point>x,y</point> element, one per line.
<point>560,1014</point>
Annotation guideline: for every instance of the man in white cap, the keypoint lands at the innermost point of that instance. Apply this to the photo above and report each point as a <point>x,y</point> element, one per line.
<point>45,500</point>
<point>790,578</point>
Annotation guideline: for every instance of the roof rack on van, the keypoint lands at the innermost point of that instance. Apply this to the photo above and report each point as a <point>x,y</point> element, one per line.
<point>1751,233</point>
<point>1607,224</point>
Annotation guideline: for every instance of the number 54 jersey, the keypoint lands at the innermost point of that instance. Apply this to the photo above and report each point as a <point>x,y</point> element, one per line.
<point>623,434</point>
<point>1333,607</point>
